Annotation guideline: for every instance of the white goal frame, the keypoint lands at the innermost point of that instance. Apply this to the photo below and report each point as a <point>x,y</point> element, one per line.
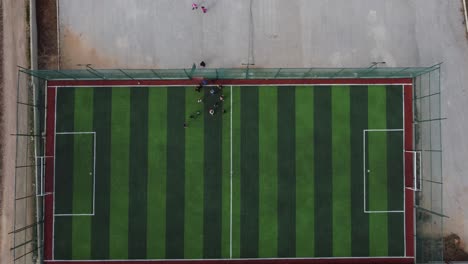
<point>415,170</point>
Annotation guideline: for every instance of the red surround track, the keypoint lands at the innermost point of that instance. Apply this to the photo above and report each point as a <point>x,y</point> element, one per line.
<point>408,142</point>
<point>258,261</point>
<point>49,177</point>
<point>409,194</point>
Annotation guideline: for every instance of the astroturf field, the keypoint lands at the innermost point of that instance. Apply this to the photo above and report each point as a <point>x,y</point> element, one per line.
<point>286,172</point>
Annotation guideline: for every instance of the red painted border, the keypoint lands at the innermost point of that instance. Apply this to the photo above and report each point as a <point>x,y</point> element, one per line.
<point>409,194</point>
<point>409,201</point>
<point>49,174</point>
<point>231,82</point>
<point>255,261</point>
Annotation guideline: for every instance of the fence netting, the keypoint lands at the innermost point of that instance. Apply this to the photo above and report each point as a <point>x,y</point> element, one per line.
<point>427,137</point>
<point>26,233</point>
<point>90,73</point>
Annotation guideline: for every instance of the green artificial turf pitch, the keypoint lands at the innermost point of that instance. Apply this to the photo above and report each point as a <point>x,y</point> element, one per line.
<point>163,191</point>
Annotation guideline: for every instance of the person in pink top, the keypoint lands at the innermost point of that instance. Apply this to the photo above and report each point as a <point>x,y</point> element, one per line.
<point>204,9</point>
<point>194,6</point>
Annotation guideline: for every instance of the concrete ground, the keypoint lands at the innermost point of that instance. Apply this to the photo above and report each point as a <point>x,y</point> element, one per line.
<point>15,46</point>
<point>293,33</point>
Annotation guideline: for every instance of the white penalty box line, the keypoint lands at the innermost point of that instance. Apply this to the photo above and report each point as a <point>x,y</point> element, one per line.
<point>93,133</point>
<point>365,172</point>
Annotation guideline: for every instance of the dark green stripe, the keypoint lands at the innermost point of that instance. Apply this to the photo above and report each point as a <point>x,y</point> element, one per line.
<point>138,173</point>
<point>64,151</point>
<point>323,171</point>
<point>395,171</point>
<point>359,220</point>
<point>305,245</point>
<point>62,237</point>
<point>120,155</point>
<point>156,189</point>
<point>236,171</point>
<point>102,107</point>
<point>212,180</point>
<point>249,172</point>
<point>175,173</point>
<point>286,172</point>
<point>64,173</point>
<point>82,194</point>
<point>226,183</point>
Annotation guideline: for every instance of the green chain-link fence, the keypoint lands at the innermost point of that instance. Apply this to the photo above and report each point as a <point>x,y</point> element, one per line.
<point>429,204</point>
<point>90,73</point>
<point>27,233</point>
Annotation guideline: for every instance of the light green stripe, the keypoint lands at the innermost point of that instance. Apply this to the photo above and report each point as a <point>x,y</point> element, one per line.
<point>305,243</point>
<point>377,177</point>
<point>226,191</point>
<point>194,169</point>
<point>268,172</point>
<point>236,172</point>
<point>120,138</point>
<point>83,160</point>
<point>341,168</point>
<point>157,158</point>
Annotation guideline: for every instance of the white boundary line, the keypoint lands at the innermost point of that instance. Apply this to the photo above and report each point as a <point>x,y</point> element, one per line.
<point>58,34</point>
<point>74,133</point>
<point>383,130</point>
<point>152,85</point>
<point>94,170</point>
<point>404,167</point>
<point>210,260</point>
<point>365,171</point>
<point>230,184</point>
<point>94,174</point>
<point>74,215</point>
<point>55,147</point>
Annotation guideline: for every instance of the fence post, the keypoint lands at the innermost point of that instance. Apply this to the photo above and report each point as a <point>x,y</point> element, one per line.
<point>277,73</point>
<point>337,73</point>
<point>155,73</point>
<point>126,74</point>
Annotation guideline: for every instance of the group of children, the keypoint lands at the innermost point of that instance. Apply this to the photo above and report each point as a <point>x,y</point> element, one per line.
<point>217,93</point>
<point>195,6</point>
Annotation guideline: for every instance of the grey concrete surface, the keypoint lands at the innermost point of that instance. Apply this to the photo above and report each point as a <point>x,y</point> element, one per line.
<point>15,45</point>
<point>293,33</point>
